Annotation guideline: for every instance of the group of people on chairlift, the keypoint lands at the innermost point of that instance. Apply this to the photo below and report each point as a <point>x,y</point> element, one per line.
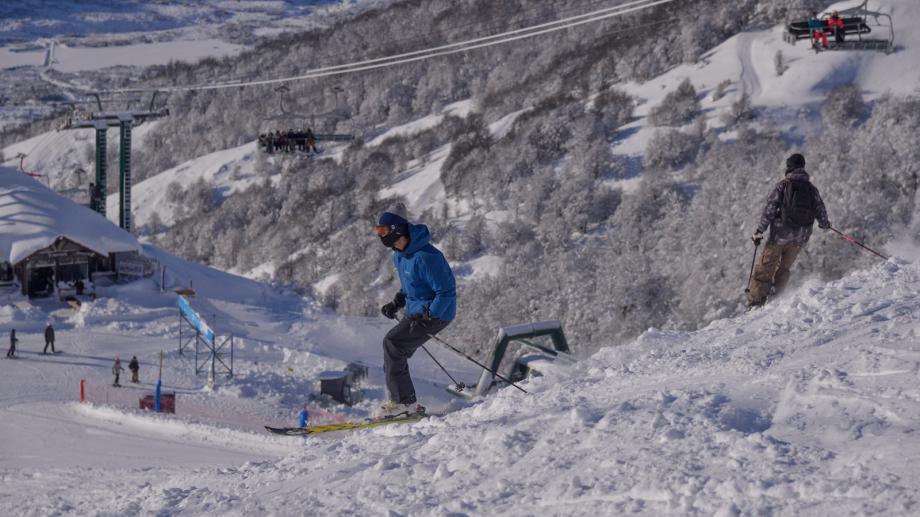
<point>820,28</point>
<point>289,141</point>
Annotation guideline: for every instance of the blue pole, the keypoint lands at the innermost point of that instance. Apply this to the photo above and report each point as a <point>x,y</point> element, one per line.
<point>156,398</point>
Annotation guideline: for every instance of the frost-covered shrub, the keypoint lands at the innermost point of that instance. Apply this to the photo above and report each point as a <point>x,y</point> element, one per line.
<point>670,149</point>
<point>721,89</point>
<point>779,63</point>
<point>843,107</point>
<point>741,111</point>
<point>549,140</point>
<point>613,108</point>
<point>678,107</point>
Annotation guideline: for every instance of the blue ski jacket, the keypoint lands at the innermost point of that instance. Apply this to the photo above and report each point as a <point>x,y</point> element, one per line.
<point>304,417</point>
<point>425,277</point>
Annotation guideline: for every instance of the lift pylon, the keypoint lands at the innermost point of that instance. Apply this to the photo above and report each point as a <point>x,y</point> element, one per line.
<point>126,121</point>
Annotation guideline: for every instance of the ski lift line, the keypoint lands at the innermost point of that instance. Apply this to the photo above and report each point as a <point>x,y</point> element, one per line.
<point>632,3</point>
<point>240,83</point>
<point>486,38</point>
<point>466,45</point>
<point>483,29</point>
<point>379,63</point>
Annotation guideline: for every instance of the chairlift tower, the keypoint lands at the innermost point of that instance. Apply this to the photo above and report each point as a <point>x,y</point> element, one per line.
<point>126,121</point>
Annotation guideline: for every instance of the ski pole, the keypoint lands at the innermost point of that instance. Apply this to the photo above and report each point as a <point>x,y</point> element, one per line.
<point>460,386</point>
<point>753,260</point>
<point>477,363</point>
<point>856,242</point>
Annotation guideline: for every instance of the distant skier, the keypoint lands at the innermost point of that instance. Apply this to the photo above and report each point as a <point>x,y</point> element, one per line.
<point>304,416</point>
<point>49,339</point>
<point>428,293</point>
<point>135,368</point>
<point>816,26</point>
<point>836,25</point>
<point>116,370</point>
<point>310,139</point>
<point>790,213</point>
<point>11,353</point>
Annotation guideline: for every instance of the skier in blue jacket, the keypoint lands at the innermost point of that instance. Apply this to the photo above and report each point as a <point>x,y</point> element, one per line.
<point>429,295</point>
<point>304,416</point>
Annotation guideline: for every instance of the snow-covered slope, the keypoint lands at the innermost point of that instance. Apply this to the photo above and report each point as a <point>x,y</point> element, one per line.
<point>224,171</point>
<point>805,407</point>
<point>747,61</point>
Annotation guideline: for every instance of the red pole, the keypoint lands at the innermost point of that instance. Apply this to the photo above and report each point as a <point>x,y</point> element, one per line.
<point>82,390</point>
<point>850,238</point>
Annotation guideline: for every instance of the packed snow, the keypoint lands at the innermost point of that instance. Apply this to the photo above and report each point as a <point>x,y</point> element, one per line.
<point>807,406</point>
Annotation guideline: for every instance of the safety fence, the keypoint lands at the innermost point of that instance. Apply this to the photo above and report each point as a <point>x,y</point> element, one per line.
<point>200,407</point>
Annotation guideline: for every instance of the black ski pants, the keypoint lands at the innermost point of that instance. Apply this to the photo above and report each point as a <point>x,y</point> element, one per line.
<point>398,346</point>
<point>48,342</point>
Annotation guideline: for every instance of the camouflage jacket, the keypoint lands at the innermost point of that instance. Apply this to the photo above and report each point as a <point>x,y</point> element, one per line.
<point>789,234</point>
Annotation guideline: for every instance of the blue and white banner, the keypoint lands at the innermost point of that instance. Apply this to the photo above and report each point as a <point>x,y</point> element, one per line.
<point>196,320</point>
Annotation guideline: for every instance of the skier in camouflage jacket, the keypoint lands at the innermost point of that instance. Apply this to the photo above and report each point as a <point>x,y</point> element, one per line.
<point>786,238</point>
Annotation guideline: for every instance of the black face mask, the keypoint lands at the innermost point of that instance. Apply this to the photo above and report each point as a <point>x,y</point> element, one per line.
<point>390,239</point>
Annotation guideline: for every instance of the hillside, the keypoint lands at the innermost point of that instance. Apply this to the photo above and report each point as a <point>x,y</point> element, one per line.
<point>578,187</point>
<point>804,407</point>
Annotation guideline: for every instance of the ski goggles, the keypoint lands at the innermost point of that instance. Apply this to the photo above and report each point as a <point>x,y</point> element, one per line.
<point>382,230</point>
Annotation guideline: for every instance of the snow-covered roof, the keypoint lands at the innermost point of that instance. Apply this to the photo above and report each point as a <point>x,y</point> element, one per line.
<point>32,217</point>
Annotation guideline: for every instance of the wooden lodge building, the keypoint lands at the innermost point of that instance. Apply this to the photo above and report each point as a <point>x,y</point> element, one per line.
<point>49,244</point>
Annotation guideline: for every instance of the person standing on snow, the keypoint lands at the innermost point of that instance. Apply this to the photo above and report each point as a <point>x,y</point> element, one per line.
<point>429,295</point>
<point>49,339</point>
<point>304,416</point>
<point>790,213</point>
<point>13,340</point>
<point>116,370</point>
<point>135,368</point>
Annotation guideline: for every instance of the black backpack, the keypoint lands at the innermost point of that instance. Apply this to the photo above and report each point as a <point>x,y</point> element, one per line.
<point>799,203</point>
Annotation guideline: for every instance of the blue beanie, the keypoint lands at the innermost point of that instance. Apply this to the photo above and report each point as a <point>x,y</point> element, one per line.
<point>397,223</point>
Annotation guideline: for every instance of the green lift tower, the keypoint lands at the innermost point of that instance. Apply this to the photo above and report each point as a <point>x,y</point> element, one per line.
<point>101,122</point>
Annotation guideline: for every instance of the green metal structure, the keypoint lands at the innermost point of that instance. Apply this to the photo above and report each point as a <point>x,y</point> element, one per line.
<point>124,169</point>
<point>101,176</point>
<point>125,121</point>
<point>524,334</point>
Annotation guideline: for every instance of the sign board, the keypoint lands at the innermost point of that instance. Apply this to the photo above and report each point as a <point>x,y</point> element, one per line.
<point>206,333</point>
<point>130,268</point>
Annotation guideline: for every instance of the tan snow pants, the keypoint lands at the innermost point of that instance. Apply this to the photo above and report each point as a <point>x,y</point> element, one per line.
<point>773,269</point>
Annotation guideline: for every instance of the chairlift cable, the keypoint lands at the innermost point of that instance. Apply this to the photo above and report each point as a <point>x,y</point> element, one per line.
<point>410,57</point>
<point>482,29</point>
<point>483,38</point>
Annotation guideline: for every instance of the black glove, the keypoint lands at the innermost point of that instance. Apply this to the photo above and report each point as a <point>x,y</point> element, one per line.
<point>389,310</point>
<point>824,226</point>
<point>757,238</point>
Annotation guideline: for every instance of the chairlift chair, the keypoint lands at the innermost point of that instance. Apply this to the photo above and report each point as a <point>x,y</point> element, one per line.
<point>858,22</point>
<point>286,121</point>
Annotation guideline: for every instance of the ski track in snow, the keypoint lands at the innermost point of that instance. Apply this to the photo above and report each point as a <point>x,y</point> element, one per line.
<point>749,77</point>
